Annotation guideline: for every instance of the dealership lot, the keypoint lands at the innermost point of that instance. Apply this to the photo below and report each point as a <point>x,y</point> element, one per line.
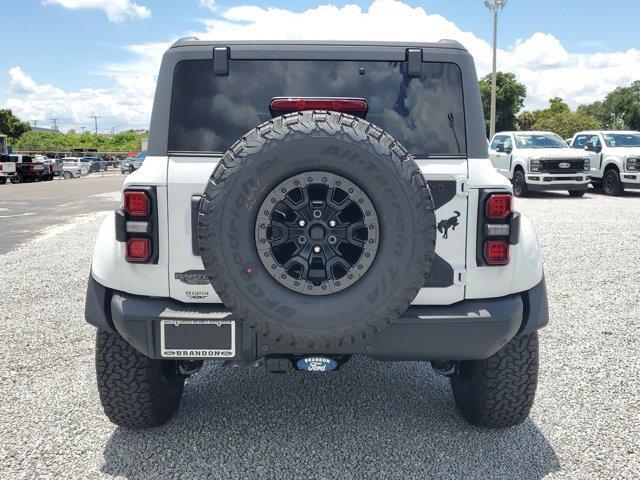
<point>370,420</point>
<point>47,208</point>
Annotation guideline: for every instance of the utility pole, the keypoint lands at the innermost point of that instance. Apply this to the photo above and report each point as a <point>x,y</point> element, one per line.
<point>83,129</point>
<point>95,119</point>
<point>35,123</point>
<point>54,125</point>
<point>495,6</point>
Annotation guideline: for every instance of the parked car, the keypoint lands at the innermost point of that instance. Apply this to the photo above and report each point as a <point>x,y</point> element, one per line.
<point>52,169</point>
<point>27,169</point>
<point>7,169</point>
<point>136,162</point>
<point>77,161</point>
<point>313,238</point>
<point>615,158</point>
<point>537,161</point>
<point>69,169</point>
<point>96,164</point>
<point>125,166</point>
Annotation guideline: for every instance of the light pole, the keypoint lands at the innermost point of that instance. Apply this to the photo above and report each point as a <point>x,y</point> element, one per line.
<point>495,6</point>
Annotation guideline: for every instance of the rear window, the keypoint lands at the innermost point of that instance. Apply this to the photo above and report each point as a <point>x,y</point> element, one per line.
<point>209,113</point>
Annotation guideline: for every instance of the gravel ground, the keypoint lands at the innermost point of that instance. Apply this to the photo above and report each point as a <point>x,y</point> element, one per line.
<point>370,419</point>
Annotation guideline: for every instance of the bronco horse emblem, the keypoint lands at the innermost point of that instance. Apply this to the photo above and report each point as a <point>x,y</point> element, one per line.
<point>449,223</point>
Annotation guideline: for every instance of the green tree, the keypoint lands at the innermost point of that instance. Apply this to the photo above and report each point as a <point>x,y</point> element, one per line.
<point>559,118</point>
<point>510,97</point>
<point>11,126</point>
<point>53,141</point>
<point>623,107</point>
<point>619,110</point>
<point>525,120</point>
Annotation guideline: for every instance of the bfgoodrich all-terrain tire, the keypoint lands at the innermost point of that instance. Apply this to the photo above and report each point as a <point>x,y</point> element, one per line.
<point>305,164</point>
<point>135,391</point>
<point>498,392</point>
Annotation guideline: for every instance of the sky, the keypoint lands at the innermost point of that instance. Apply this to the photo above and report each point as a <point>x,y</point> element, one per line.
<point>73,59</point>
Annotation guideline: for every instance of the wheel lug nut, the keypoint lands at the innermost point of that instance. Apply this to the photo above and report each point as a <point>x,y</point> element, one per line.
<point>302,239</point>
<point>332,239</point>
<point>302,223</point>
<point>317,249</point>
<point>317,213</point>
<point>332,223</point>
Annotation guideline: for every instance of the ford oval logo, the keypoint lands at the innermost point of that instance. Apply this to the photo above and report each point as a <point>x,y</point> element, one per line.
<point>317,364</point>
<point>564,165</point>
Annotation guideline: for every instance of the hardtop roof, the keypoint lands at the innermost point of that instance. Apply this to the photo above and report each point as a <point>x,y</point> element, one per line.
<point>194,41</point>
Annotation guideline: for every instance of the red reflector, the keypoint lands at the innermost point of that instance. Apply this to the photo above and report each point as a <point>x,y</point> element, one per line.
<point>498,206</point>
<point>136,204</point>
<point>346,105</point>
<point>138,250</point>
<point>496,252</point>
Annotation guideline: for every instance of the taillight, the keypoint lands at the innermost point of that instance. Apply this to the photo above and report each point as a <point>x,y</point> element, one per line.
<point>136,203</point>
<point>137,224</point>
<point>496,252</point>
<point>498,227</point>
<point>138,249</point>
<point>32,167</point>
<point>498,206</point>
<point>354,106</point>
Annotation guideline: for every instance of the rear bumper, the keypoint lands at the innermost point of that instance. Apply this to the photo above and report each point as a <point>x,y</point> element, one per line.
<point>471,329</point>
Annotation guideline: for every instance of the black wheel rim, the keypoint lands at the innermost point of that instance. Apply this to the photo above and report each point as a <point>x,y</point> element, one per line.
<point>609,183</point>
<point>317,233</point>
<point>517,184</point>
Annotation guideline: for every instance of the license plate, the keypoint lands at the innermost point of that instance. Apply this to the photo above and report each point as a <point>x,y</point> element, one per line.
<point>197,338</point>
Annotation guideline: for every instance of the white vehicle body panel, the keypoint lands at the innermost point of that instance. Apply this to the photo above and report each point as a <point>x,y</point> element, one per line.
<point>77,162</point>
<point>609,157</point>
<point>178,179</point>
<point>7,169</point>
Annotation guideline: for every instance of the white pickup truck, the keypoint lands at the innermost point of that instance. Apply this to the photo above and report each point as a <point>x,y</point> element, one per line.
<point>7,168</point>
<point>536,161</point>
<point>615,158</point>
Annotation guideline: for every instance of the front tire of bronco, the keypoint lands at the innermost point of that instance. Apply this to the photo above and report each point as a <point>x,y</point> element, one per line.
<point>135,391</point>
<point>498,392</point>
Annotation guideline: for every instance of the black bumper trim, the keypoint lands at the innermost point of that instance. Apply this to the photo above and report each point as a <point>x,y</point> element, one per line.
<point>536,309</point>
<point>557,186</point>
<point>97,310</point>
<point>471,329</point>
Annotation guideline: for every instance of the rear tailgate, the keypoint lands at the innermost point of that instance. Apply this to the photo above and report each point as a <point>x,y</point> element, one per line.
<point>424,111</point>
<point>7,168</point>
<point>188,177</point>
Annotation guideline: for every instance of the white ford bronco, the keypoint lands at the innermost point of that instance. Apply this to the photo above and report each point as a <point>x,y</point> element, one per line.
<point>615,158</point>
<point>537,161</point>
<point>303,202</point>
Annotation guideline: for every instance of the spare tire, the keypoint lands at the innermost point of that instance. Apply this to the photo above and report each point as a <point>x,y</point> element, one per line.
<point>317,229</point>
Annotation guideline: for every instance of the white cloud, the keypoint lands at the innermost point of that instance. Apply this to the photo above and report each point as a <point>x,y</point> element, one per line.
<point>546,66</point>
<point>210,4</point>
<point>540,61</point>
<point>116,10</point>
<point>127,105</point>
